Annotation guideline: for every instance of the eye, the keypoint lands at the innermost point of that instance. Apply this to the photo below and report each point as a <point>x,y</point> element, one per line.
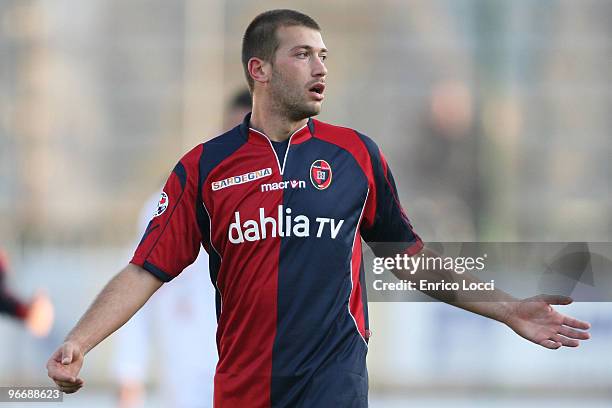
<point>302,55</point>
<point>323,57</point>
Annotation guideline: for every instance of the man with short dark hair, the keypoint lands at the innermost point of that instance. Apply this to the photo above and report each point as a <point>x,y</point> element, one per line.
<point>280,203</point>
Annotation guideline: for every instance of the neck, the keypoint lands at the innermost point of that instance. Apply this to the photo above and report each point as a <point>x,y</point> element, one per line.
<point>277,126</point>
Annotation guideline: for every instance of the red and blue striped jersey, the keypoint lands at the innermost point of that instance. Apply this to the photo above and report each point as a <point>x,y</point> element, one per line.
<point>284,240</point>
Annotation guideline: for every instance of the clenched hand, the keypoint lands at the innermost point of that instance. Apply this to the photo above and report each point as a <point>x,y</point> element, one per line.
<point>64,365</point>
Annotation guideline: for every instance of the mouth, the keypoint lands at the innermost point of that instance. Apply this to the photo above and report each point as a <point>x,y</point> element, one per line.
<point>316,91</point>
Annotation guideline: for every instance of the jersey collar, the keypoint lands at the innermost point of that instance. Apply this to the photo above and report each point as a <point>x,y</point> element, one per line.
<point>256,137</point>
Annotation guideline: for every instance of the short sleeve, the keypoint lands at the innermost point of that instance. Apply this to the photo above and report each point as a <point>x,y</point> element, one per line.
<point>386,229</point>
<point>172,239</point>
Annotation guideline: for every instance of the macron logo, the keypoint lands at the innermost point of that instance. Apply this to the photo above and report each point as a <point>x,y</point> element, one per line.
<point>283,225</point>
<point>282,185</point>
<point>241,179</point>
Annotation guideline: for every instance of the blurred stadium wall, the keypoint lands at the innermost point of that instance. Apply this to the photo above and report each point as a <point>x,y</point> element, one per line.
<point>495,117</point>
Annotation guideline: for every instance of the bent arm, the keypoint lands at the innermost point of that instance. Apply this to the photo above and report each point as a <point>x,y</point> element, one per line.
<point>116,304</point>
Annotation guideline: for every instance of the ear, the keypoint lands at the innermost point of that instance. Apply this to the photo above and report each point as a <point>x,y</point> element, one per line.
<point>259,70</point>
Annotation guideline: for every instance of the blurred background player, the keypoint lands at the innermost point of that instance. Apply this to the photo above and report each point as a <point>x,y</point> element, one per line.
<point>179,322</point>
<point>237,109</point>
<point>37,314</point>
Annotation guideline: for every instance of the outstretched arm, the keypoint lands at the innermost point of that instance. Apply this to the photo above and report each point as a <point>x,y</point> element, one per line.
<point>385,223</point>
<point>116,304</point>
<point>533,318</point>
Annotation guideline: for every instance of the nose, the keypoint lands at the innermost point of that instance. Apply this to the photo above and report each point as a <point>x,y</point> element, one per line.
<point>318,69</point>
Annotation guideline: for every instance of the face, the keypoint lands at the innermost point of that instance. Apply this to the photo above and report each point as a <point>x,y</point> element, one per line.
<point>297,82</point>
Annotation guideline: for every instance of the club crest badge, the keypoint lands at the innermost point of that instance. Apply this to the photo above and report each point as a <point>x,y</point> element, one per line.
<point>161,205</point>
<point>320,174</point>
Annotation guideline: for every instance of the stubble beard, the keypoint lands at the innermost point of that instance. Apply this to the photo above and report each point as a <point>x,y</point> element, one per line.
<point>289,101</point>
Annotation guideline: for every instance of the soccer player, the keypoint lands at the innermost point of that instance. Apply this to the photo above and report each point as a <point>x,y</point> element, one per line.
<point>280,203</point>
<point>181,318</point>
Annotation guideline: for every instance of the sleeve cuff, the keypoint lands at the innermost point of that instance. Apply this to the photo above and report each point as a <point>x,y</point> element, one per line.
<point>155,271</point>
<point>415,247</point>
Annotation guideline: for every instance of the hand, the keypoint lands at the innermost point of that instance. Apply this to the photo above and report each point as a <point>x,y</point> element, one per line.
<point>40,315</point>
<point>535,320</point>
<point>64,366</point>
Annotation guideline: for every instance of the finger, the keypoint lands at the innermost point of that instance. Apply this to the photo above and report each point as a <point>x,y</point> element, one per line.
<point>70,390</point>
<point>57,356</point>
<point>549,344</point>
<point>57,371</point>
<point>64,383</point>
<point>575,323</point>
<point>59,375</point>
<point>555,299</point>
<point>574,334</point>
<point>75,385</point>
<point>67,353</point>
<point>564,340</point>
<point>70,386</point>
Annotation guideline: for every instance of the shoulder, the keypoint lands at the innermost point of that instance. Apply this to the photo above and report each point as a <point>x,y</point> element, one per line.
<point>210,153</point>
<point>354,141</point>
<point>230,138</point>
